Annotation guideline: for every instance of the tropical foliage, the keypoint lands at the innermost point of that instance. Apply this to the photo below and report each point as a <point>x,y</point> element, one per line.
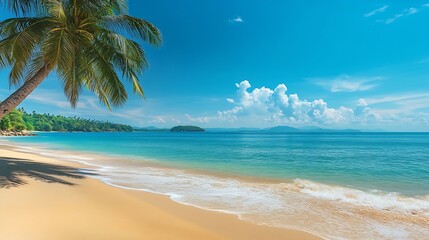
<point>91,44</point>
<point>187,129</point>
<point>19,120</point>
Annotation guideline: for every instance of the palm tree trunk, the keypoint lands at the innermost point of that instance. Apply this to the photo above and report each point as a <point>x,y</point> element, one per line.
<point>19,95</point>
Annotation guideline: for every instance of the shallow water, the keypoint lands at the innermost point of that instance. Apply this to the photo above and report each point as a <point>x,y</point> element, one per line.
<point>337,185</point>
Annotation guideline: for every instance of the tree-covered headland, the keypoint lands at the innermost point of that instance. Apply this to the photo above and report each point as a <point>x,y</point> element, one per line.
<point>187,129</point>
<point>19,120</point>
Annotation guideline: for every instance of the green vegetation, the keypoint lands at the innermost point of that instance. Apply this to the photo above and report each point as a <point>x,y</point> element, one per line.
<point>187,129</point>
<point>19,120</point>
<point>91,44</point>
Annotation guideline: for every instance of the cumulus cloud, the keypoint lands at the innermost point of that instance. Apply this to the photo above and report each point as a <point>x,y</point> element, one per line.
<point>277,107</point>
<point>346,83</point>
<point>262,106</point>
<point>265,107</point>
<point>376,11</point>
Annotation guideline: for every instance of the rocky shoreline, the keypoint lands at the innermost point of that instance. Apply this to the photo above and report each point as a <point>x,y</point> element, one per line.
<point>16,134</point>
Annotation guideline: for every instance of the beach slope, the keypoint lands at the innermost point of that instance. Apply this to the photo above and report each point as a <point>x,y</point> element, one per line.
<point>45,199</point>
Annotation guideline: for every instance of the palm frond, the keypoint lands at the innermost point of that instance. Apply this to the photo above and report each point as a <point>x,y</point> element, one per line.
<point>57,9</point>
<point>3,61</point>
<point>20,45</point>
<point>126,55</point>
<point>119,6</point>
<point>135,26</point>
<point>36,63</point>
<point>82,40</point>
<point>104,71</point>
<point>59,49</point>
<point>27,7</point>
<point>72,82</point>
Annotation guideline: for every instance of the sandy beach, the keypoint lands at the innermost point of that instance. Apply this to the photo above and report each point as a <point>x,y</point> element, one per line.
<point>42,198</point>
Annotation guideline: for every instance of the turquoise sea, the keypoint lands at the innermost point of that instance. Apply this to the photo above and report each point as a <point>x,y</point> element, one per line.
<point>359,185</point>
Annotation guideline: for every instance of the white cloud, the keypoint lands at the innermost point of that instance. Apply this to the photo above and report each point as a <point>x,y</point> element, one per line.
<point>376,11</point>
<point>277,107</point>
<point>230,100</point>
<point>392,19</point>
<point>237,19</point>
<point>400,103</point>
<point>264,107</point>
<point>346,83</point>
<point>88,107</point>
<point>411,11</point>
<point>405,12</point>
<point>425,5</point>
<point>47,97</point>
<point>197,119</point>
<point>398,98</point>
<point>44,97</point>
<point>158,119</point>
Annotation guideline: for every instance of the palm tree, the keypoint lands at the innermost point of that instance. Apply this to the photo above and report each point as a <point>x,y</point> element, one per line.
<point>88,43</point>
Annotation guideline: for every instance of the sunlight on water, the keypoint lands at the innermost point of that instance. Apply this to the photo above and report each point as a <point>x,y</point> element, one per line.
<point>363,186</point>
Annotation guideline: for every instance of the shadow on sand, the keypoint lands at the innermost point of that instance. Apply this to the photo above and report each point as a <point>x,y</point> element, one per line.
<point>13,172</point>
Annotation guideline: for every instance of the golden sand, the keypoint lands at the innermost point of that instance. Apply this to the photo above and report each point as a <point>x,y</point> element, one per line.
<point>45,199</point>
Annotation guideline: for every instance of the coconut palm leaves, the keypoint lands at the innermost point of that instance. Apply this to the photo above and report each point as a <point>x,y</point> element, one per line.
<point>91,44</point>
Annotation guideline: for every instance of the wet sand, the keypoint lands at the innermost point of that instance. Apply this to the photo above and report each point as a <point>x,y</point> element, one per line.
<point>43,198</point>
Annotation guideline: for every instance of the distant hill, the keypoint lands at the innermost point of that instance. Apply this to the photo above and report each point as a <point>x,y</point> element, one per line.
<point>318,129</point>
<point>242,129</point>
<point>280,129</point>
<point>150,129</point>
<point>187,129</point>
<point>307,129</point>
<point>283,129</point>
<point>312,129</point>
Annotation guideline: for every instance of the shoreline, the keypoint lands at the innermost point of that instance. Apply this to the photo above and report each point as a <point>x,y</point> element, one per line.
<point>189,222</point>
<point>284,205</point>
<point>9,133</point>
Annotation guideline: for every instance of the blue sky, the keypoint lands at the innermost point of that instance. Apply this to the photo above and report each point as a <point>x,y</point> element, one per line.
<point>229,63</point>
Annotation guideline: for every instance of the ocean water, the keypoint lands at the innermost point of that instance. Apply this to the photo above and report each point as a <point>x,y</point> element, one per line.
<point>336,185</point>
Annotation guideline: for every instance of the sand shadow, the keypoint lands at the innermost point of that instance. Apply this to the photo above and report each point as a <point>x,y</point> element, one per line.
<point>13,172</point>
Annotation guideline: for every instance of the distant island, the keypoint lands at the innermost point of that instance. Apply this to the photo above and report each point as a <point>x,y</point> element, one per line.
<point>282,129</point>
<point>19,120</point>
<point>187,129</point>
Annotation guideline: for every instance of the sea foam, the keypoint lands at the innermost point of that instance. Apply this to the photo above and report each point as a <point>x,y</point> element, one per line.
<point>374,199</point>
<point>333,212</point>
<point>330,211</point>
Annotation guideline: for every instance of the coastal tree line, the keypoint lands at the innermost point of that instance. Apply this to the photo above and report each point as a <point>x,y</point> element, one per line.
<point>19,120</point>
